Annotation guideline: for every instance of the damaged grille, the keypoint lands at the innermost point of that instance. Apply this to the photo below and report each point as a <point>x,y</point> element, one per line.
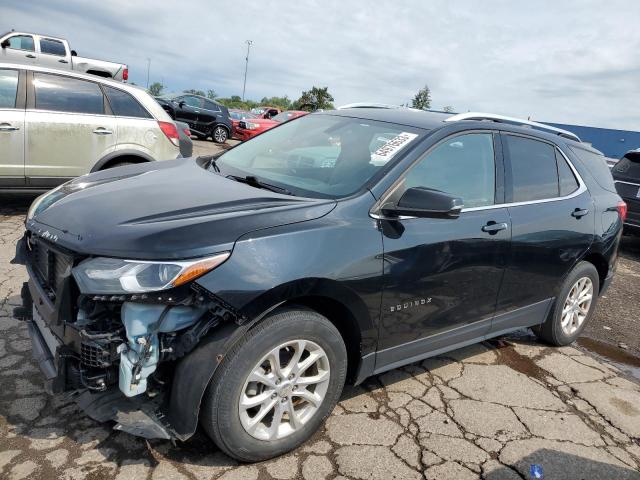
<point>51,267</point>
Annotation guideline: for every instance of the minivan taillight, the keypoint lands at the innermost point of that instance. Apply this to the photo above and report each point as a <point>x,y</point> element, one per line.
<point>622,210</point>
<point>170,130</point>
<point>125,74</point>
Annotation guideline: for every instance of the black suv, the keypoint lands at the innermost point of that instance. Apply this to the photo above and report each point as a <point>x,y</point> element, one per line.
<point>626,174</point>
<point>205,117</point>
<point>241,292</point>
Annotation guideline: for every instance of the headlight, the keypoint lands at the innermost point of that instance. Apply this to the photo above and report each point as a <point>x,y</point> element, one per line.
<point>251,126</point>
<point>114,276</point>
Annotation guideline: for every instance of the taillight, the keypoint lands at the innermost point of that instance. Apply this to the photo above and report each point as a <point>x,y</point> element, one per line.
<point>125,74</point>
<point>622,210</point>
<point>170,130</point>
<point>187,132</point>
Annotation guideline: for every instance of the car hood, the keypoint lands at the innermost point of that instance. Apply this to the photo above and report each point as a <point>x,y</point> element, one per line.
<point>164,210</point>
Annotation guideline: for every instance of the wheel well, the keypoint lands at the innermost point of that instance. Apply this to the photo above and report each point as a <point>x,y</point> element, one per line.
<point>98,73</point>
<point>123,158</point>
<point>343,320</point>
<point>598,261</point>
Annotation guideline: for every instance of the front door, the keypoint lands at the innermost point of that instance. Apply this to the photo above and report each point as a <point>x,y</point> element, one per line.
<point>21,49</point>
<point>553,221</point>
<point>188,110</point>
<point>67,128</point>
<point>442,276</point>
<point>11,129</point>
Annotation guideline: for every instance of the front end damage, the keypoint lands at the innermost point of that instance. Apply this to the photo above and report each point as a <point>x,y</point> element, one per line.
<point>119,355</point>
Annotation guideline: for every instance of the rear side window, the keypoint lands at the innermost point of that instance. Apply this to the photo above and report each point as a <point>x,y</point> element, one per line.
<point>463,166</point>
<point>124,105</point>
<point>211,106</point>
<point>8,88</point>
<point>65,94</point>
<point>597,166</point>
<point>22,42</point>
<point>52,47</point>
<point>567,181</point>
<point>534,175</point>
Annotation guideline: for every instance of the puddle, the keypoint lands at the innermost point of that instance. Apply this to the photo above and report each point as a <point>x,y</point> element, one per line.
<point>626,362</point>
<point>508,356</point>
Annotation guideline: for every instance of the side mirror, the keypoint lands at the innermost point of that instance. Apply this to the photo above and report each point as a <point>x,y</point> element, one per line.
<point>74,53</point>
<point>425,203</point>
<point>181,103</point>
<point>5,43</point>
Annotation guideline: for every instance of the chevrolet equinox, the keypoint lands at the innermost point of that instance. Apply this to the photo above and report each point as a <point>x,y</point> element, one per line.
<point>240,292</point>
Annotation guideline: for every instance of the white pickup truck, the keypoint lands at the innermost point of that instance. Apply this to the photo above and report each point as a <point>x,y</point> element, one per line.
<point>34,49</point>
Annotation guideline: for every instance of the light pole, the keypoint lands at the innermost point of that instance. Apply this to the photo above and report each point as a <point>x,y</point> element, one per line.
<point>148,68</point>
<point>246,66</point>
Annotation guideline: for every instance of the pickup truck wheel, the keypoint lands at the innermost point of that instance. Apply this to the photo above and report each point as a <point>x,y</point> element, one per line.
<point>275,387</point>
<point>573,308</point>
<point>219,134</point>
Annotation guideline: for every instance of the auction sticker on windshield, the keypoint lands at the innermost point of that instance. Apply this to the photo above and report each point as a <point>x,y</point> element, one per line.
<point>387,151</point>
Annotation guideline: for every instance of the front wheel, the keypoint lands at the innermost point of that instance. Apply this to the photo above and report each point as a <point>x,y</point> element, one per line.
<point>276,386</point>
<point>574,306</point>
<point>219,134</point>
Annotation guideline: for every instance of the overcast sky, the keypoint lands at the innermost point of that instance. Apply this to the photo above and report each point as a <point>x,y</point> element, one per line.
<point>560,61</point>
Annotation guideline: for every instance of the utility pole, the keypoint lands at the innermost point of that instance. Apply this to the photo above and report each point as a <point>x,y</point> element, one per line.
<point>246,66</point>
<point>148,68</point>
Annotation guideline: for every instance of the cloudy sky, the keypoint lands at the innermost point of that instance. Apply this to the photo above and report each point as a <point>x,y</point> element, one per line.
<point>570,62</point>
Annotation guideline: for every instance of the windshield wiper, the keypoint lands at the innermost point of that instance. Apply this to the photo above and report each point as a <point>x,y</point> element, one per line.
<point>213,165</point>
<point>254,182</point>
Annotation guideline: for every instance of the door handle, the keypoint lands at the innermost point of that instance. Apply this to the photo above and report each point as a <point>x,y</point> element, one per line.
<point>7,127</point>
<point>579,212</point>
<point>102,131</point>
<point>62,60</point>
<point>492,227</point>
<point>29,55</point>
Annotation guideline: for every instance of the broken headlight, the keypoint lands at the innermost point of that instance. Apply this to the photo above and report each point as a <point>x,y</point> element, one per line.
<point>103,275</point>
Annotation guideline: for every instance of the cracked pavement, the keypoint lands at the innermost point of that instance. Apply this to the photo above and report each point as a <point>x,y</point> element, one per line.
<point>486,411</point>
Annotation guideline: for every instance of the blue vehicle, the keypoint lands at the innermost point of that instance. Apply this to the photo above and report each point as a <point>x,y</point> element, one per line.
<point>241,292</point>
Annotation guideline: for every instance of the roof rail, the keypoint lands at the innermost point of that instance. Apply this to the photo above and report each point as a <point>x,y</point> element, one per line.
<point>513,121</point>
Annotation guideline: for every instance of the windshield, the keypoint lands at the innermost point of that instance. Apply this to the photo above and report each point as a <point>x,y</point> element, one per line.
<point>240,115</point>
<point>284,116</point>
<point>319,155</point>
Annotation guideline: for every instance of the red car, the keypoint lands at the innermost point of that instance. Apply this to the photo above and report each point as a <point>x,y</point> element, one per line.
<point>249,128</point>
<point>236,116</point>
<point>266,112</point>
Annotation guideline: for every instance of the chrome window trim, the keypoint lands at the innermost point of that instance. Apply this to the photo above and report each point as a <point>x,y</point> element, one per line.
<point>627,183</point>
<point>374,212</point>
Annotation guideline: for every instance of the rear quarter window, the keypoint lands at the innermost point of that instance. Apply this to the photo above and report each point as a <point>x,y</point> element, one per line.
<point>124,105</point>
<point>597,166</point>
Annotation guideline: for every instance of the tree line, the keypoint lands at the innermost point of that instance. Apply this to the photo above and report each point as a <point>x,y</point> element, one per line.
<point>314,99</point>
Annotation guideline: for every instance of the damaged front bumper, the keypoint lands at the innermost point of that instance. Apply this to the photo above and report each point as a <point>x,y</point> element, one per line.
<point>124,373</point>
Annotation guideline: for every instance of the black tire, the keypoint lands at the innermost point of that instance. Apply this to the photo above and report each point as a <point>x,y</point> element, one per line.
<point>551,330</point>
<point>219,134</point>
<point>220,415</point>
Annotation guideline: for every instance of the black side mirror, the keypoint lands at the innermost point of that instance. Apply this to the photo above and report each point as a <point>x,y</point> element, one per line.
<point>5,43</point>
<point>74,53</point>
<point>181,103</point>
<point>425,203</point>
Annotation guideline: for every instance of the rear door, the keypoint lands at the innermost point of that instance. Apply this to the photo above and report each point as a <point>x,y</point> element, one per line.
<point>209,115</point>
<point>11,127</point>
<point>552,218</point>
<point>53,54</point>
<point>21,49</point>
<point>68,128</point>
<point>188,110</point>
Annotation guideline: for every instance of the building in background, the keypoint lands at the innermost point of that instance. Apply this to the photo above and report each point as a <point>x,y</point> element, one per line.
<point>613,143</point>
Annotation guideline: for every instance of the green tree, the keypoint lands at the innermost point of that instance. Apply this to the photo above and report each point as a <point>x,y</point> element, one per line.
<point>448,109</point>
<point>212,94</point>
<point>422,100</point>
<point>193,91</point>
<point>155,89</point>
<point>315,99</point>
<point>283,103</point>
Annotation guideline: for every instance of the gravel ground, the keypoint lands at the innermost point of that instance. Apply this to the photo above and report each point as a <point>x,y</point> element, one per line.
<point>487,411</point>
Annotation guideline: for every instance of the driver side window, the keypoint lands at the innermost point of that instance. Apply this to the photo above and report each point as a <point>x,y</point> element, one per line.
<point>192,101</point>
<point>463,166</point>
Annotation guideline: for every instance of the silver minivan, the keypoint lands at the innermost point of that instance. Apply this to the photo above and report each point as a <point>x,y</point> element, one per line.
<point>57,125</point>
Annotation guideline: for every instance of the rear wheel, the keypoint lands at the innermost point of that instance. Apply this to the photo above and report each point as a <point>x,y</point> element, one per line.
<point>574,306</point>
<point>219,134</point>
<point>276,386</point>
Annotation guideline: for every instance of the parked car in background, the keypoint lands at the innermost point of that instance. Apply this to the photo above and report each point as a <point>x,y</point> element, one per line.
<point>247,289</point>
<point>186,144</point>
<point>266,112</point>
<point>52,52</point>
<point>626,174</point>
<point>237,115</point>
<point>205,117</point>
<point>56,125</point>
<point>247,129</point>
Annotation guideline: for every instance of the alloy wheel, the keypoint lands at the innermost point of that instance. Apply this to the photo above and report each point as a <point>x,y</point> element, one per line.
<point>284,390</point>
<point>220,135</point>
<point>576,306</point>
